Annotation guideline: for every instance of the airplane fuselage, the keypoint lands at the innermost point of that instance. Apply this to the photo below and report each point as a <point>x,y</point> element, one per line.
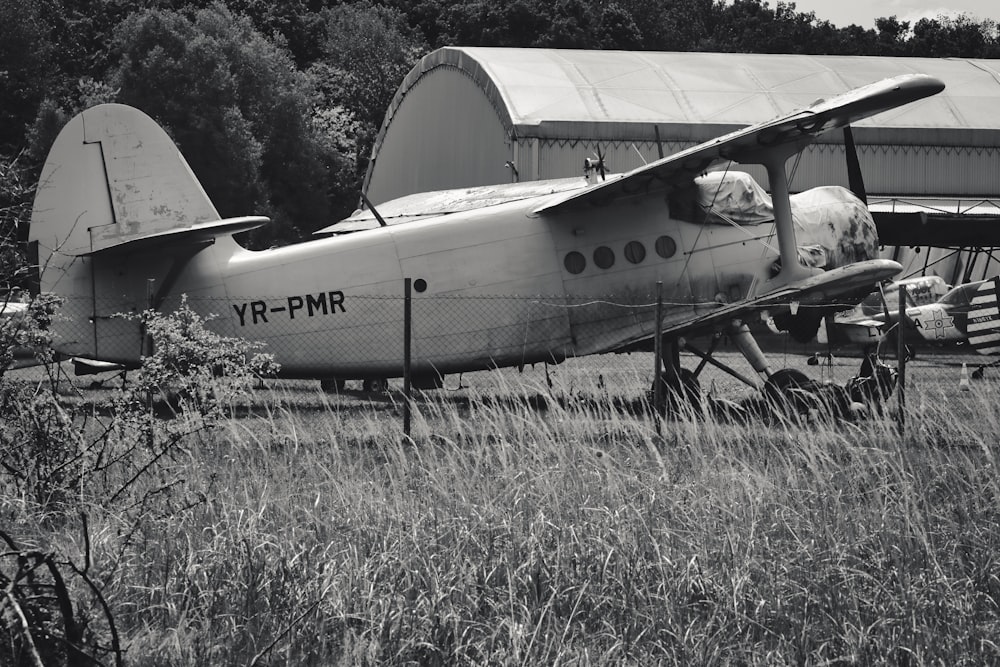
<point>497,286</point>
<point>493,287</point>
<point>121,225</point>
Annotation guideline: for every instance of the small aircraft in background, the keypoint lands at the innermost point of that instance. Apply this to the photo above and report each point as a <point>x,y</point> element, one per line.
<point>964,314</point>
<point>868,322</point>
<point>120,224</point>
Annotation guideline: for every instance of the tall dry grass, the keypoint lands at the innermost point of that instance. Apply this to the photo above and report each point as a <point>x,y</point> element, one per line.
<point>505,533</point>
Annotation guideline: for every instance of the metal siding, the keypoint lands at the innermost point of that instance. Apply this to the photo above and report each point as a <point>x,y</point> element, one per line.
<point>904,170</point>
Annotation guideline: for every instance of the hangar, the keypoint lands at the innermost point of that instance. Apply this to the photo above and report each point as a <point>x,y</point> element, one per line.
<point>479,116</point>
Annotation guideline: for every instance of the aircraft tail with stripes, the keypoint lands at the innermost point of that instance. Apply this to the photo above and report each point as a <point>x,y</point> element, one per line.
<point>984,318</point>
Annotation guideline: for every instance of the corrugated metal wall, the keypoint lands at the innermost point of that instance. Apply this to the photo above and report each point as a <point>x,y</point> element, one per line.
<point>968,171</point>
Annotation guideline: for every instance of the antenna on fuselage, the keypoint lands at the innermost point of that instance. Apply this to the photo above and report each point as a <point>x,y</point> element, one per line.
<point>381,220</point>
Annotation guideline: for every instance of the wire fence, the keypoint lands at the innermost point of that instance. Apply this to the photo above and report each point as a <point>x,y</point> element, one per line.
<point>354,336</point>
<point>420,338</point>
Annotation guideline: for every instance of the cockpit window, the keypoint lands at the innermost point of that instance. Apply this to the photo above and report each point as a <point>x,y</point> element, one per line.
<point>961,295</point>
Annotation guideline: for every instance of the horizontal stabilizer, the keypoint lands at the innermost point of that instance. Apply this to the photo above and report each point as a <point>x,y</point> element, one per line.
<point>198,233</point>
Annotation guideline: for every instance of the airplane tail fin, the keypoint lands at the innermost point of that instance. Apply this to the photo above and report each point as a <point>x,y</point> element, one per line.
<point>113,194</point>
<point>112,177</point>
<point>984,318</point>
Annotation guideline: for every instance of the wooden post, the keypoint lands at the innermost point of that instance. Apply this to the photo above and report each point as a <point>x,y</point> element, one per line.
<point>901,327</point>
<point>658,397</point>
<point>407,330</point>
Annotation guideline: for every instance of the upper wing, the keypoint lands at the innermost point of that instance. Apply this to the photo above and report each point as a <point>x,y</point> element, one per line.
<point>799,129</point>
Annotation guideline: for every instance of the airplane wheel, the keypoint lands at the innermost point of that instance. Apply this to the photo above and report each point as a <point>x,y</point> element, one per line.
<point>685,390</point>
<point>376,385</point>
<point>791,388</point>
<point>333,385</point>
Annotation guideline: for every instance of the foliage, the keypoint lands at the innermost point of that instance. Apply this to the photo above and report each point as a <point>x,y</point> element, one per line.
<point>56,453</point>
<point>39,624</point>
<point>28,61</point>
<point>235,104</point>
<point>200,370</point>
<point>365,52</point>
<point>61,458</point>
<point>16,192</point>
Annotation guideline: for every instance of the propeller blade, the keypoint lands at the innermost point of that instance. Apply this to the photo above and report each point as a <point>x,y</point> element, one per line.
<point>855,179</point>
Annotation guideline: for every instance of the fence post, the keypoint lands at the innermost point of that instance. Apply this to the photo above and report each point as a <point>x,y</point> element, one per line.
<point>658,359</point>
<point>407,329</point>
<point>901,361</point>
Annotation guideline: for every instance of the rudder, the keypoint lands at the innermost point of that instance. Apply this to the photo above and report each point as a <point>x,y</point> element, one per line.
<point>984,318</point>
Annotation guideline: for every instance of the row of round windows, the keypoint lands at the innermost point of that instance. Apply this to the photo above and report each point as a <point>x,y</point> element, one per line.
<point>604,257</point>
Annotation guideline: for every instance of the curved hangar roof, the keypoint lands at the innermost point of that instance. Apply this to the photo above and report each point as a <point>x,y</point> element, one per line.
<point>477,116</point>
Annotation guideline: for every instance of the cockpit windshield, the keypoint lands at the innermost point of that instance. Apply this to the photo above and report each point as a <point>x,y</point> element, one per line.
<point>961,295</point>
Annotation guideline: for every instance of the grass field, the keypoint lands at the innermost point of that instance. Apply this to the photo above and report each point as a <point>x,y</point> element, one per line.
<point>533,524</point>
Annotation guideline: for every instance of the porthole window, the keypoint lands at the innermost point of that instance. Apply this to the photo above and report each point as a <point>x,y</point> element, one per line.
<point>635,252</point>
<point>604,257</point>
<point>666,247</point>
<point>575,262</point>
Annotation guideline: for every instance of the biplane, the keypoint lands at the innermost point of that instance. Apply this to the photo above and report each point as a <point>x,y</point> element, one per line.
<point>121,224</point>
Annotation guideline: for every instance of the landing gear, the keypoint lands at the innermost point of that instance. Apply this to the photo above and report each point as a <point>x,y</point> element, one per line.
<point>785,393</point>
<point>980,372</point>
<point>375,385</point>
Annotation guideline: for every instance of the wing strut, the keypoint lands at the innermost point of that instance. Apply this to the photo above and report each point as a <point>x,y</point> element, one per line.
<point>791,270</point>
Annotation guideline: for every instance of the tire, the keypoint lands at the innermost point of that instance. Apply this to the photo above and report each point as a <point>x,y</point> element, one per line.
<point>376,385</point>
<point>791,388</point>
<point>683,393</point>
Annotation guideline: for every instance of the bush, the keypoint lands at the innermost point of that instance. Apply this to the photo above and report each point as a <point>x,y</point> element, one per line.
<point>62,457</point>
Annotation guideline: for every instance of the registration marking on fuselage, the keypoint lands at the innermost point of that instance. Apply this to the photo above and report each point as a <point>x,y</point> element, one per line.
<point>304,305</point>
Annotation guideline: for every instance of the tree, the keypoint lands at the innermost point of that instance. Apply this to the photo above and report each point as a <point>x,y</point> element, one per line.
<point>892,34</point>
<point>617,29</point>
<point>367,51</point>
<point>27,66</point>
<point>236,105</point>
<point>946,37</point>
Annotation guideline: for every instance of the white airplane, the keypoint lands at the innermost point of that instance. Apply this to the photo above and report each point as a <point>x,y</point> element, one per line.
<point>120,223</point>
<point>937,314</point>
<point>868,322</point>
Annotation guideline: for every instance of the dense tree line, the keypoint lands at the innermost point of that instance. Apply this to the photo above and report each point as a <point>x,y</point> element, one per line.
<point>276,104</point>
